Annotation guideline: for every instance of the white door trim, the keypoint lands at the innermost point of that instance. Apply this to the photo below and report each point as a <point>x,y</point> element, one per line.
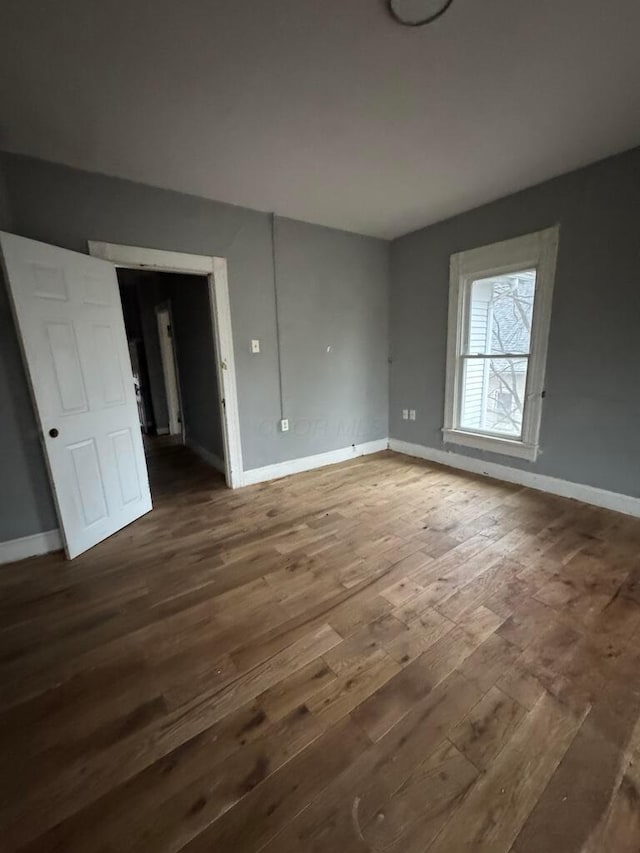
<point>136,257</point>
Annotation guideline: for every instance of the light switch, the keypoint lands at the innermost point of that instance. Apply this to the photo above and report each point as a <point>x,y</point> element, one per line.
<point>284,424</point>
<point>405,414</point>
<point>255,346</point>
<point>412,414</point>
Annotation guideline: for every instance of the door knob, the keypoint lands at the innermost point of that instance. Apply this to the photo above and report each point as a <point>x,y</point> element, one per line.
<point>53,433</point>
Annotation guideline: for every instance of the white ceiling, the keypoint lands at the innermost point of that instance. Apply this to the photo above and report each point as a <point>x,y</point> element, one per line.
<point>323,110</point>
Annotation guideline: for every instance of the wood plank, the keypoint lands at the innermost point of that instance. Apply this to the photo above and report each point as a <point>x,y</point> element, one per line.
<point>401,590</point>
<point>267,808</point>
<point>167,804</point>
<point>620,827</point>
<point>290,666</point>
<point>579,794</point>
<point>328,822</point>
<point>409,820</point>
<point>90,776</point>
<point>518,683</point>
<point>493,813</point>
<point>418,636</point>
<point>395,699</point>
<point>487,727</point>
<point>352,688</point>
<point>293,690</point>
<point>490,661</point>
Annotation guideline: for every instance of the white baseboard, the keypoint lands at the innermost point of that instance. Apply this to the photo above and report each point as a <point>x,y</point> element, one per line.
<point>30,546</point>
<point>308,463</point>
<point>162,430</point>
<point>51,540</point>
<point>206,455</point>
<point>541,482</point>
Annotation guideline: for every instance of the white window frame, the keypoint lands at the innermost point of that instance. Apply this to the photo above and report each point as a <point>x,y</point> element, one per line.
<point>533,251</point>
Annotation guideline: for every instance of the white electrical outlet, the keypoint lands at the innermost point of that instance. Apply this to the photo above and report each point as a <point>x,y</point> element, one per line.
<point>412,414</point>
<point>255,346</point>
<point>284,424</point>
<point>405,414</point>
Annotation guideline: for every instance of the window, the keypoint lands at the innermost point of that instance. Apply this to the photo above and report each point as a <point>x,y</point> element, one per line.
<point>499,313</point>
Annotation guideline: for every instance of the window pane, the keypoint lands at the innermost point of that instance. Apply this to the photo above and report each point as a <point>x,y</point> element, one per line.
<point>493,393</point>
<point>499,314</point>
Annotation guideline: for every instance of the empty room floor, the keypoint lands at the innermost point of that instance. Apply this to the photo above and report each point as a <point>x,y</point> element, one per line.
<point>380,655</point>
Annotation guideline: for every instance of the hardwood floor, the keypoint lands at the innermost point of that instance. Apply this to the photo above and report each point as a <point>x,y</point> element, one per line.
<point>383,655</point>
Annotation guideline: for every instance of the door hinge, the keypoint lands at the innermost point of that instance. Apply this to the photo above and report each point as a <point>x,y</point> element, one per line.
<point>169,330</point>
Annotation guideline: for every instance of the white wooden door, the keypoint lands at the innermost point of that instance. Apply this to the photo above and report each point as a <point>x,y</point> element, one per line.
<point>69,318</point>
<point>168,357</point>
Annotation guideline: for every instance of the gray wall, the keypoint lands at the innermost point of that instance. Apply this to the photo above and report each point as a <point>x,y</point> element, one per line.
<point>195,354</point>
<point>333,293</point>
<point>591,415</point>
<point>26,503</point>
<point>67,207</point>
<point>333,315</point>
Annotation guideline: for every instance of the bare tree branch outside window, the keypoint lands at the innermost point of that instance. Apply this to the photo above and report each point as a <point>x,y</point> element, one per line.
<point>511,310</point>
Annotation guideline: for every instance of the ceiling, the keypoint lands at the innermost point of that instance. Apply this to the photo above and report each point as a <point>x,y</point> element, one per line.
<point>322,110</point>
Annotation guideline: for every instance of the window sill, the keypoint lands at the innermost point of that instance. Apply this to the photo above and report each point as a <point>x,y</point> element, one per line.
<point>503,446</point>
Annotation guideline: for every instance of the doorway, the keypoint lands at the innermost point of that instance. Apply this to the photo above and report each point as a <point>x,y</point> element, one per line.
<point>167,320</point>
<point>69,317</point>
<point>219,313</point>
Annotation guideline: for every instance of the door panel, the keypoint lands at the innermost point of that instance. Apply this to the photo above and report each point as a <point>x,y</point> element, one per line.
<point>69,318</point>
<point>94,293</point>
<point>123,450</point>
<point>110,381</point>
<point>69,386</point>
<point>47,282</point>
<point>88,481</point>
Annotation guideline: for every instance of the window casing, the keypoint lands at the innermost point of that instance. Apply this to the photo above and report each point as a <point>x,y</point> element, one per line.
<point>499,315</point>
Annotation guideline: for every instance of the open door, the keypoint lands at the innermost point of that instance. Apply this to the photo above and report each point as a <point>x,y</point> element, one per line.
<point>70,323</point>
<point>169,369</point>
